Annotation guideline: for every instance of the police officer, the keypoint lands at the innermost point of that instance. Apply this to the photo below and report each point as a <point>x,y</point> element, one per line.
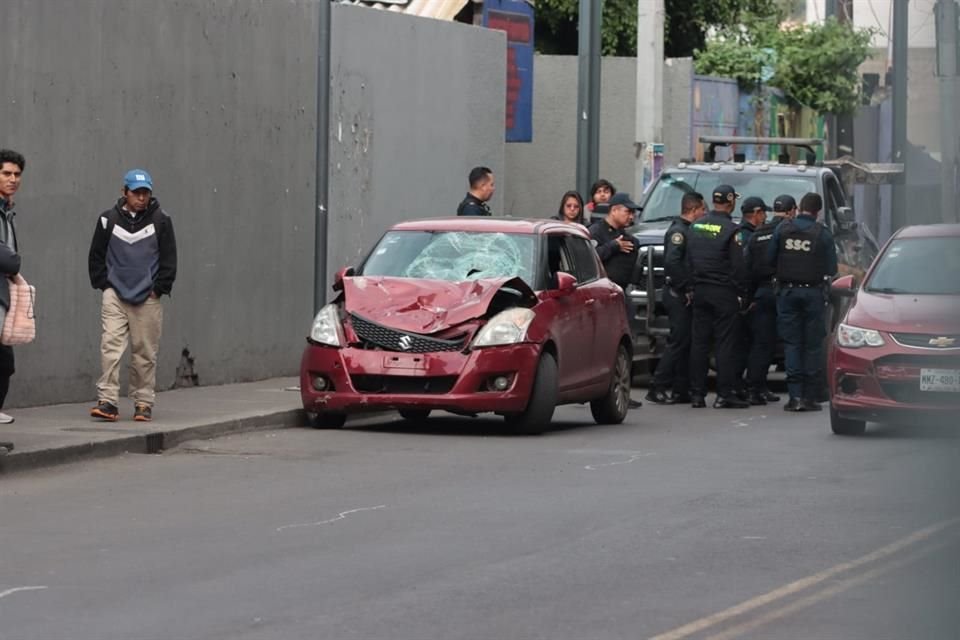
<point>482,187</point>
<point>760,330</point>
<point>673,370</point>
<point>805,257</point>
<point>719,290</point>
<point>618,250</point>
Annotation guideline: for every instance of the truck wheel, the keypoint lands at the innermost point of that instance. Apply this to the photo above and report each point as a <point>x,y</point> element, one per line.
<point>612,407</point>
<point>543,400</point>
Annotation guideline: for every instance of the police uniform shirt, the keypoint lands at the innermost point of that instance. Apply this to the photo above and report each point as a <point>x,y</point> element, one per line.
<point>618,265</point>
<point>675,264</point>
<point>473,206</point>
<point>823,256</point>
<point>715,253</point>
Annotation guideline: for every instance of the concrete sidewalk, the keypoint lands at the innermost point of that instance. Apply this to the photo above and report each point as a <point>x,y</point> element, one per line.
<point>58,434</point>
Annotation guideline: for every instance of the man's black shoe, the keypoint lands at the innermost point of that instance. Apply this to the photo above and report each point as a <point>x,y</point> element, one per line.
<point>679,398</point>
<point>656,396</point>
<point>770,397</point>
<point>795,405</point>
<point>756,400</point>
<point>634,404</point>
<point>6,445</point>
<point>741,394</point>
<point>698,402</point>
<point>730,403</point>
<point>810,405</point>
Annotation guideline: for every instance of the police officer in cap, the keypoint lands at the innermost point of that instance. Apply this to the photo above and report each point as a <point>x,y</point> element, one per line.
<point>805,258</point>
<point>719,291</point>
<point>760,330</point>
<point>673,370</point>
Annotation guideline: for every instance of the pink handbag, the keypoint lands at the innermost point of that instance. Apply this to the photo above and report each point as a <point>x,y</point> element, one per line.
<point>19,325</point>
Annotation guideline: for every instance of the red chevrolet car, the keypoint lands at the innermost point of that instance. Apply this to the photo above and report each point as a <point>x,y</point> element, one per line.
<point>472,315</point>
<point>895,356</point>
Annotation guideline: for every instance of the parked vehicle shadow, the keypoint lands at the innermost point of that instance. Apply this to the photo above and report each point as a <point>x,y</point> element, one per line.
<point>447,424</point>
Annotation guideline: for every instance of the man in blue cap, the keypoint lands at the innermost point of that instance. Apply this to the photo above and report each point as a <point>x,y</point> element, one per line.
<point>133,260</point>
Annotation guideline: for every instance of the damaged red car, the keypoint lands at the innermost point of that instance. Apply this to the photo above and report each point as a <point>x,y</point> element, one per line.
<point>471,316</point>
<point>895,356</point>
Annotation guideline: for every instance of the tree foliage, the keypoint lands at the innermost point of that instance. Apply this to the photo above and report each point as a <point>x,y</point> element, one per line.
<point>814,64</point>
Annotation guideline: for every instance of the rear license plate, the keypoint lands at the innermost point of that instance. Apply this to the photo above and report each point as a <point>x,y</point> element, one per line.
<point>940,380</point>
<point>405,361</point>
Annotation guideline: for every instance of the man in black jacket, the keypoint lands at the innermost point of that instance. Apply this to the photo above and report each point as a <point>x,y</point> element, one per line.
<point>133,260</point>
<point>482,188</point>
<point>673,369</point>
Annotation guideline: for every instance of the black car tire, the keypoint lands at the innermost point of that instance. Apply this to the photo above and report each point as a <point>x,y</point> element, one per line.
<point>846,426</point>
<point>613,406</point>
<point>543,400</point>
<point>415,415</point>
<point>326,420</point>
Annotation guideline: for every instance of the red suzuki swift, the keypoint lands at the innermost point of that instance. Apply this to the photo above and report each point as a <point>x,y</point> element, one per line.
<point>472,315</point>
<point>895,356</point>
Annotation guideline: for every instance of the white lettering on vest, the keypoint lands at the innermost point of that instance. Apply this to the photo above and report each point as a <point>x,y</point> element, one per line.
<point>798,245</point>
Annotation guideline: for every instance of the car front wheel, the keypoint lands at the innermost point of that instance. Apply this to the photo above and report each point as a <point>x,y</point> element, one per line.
<point>543,400</point>
<point>326,420</point>
<point>612,407</point>
<point>846,426</point>
<point>415,415</point>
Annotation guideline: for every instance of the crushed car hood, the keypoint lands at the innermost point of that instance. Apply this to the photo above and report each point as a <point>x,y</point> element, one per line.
<point>426,306</point>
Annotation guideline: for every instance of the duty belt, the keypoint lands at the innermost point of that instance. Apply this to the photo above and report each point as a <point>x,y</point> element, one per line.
<point>802,285</point>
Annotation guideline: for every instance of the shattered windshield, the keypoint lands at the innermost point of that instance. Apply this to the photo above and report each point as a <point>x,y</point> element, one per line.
<point>452,255</point>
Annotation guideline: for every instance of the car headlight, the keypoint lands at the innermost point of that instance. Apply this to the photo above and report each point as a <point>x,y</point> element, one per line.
<point>327,328</point>
<point>507,327</point>
<point>855,337</point>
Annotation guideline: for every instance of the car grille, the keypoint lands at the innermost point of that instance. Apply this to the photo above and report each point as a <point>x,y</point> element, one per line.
<point>904,385</point>
<point>909,393</point>
<point>922,341</point>
<point>925,361</point>
<point>641,270</point>
<point>403,384</point>
<point>389,339</point>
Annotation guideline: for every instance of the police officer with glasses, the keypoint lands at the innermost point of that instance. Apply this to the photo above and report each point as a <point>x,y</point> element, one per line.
<point>805,258</point>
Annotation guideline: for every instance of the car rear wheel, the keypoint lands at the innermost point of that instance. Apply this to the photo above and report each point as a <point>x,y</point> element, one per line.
<point>415,415</point>
<point>543,400</point>
<point>846,426</point>
<point>326,420</point>
<point>612,407</point>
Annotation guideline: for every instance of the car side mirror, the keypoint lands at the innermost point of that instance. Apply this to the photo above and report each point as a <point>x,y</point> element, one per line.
<point>846,220</point>
<point>344,272</point>
<point>844,287</point>
<point>566,284</point>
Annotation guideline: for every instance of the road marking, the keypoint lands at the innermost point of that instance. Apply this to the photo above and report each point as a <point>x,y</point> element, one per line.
<point>4,594</point>
<point>341,516</point>
<point>823,594</point>
<point>594,467</point>
<point>804,583</point>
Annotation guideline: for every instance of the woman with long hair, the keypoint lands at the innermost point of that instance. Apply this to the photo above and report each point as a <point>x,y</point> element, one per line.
<point>571,209</point>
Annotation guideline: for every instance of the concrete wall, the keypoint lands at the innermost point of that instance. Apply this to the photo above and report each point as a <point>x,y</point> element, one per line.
<point>218,100</point>
<point>678,109</point>
<point>538,173</point>
<point>416,104</point>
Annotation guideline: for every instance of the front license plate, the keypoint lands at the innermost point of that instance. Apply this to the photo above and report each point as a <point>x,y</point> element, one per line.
<point>940,380</point>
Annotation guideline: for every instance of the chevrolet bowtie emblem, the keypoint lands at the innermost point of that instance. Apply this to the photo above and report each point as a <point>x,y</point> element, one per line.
<point>942,342</point>
<point>406,342</point>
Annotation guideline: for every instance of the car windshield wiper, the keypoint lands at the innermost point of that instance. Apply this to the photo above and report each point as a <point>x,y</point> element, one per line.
<point>889,290</point>
<point>663,219</point>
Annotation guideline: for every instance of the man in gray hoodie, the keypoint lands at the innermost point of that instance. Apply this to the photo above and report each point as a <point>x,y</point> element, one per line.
<point>11,170</point>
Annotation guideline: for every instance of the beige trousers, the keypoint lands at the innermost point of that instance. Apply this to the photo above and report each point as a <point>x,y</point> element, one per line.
<point>140,324</point>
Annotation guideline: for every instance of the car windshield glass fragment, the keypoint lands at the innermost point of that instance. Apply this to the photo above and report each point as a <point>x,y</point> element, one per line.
<point>454,256</point>
<point>664,199</point>
<point>918,266</point>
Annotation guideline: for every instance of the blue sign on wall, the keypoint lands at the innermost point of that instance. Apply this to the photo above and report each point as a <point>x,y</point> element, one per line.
<point>515,17</point>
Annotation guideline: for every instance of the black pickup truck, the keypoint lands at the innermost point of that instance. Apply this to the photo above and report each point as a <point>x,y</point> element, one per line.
<point>856,246</point>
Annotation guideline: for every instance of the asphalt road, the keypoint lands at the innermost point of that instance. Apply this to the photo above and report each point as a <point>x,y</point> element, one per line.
<point>678,524</point>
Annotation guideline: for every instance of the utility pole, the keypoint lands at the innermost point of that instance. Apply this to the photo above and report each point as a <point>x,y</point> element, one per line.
<point>650,17</point>
<point>898,214</point>
<point>841,133</point>
<point>588,95</point>
<point>321,210</point>
<point>948,61</point>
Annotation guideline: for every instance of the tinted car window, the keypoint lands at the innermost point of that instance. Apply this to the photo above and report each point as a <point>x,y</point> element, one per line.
<point>584,258</point>
<point>918,266</point>
<point>452,255</point>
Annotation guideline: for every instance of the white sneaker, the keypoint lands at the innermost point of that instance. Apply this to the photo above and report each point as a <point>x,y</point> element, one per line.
<point>5,419</point>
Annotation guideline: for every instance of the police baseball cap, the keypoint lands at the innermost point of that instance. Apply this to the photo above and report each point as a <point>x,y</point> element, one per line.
<point>138,179</point>
<point>784,203</point>
<point>753,203</point>
<point>623,198</point>
<point>725,193</point>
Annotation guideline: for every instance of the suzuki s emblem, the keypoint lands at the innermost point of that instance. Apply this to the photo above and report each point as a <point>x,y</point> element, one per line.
<point>406,342</point>
<point>942,342</point>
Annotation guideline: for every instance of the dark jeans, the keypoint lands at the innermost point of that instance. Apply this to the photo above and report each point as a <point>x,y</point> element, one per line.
<point>6,370</point>
<point>801,322</point>
<point>762,325</point>
<point>716,319</point>
<point>673,371</point>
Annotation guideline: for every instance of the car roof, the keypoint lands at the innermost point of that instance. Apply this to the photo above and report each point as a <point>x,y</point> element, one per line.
<point>491,224</point>
<point>753,166</point>
<point>929,231</point>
